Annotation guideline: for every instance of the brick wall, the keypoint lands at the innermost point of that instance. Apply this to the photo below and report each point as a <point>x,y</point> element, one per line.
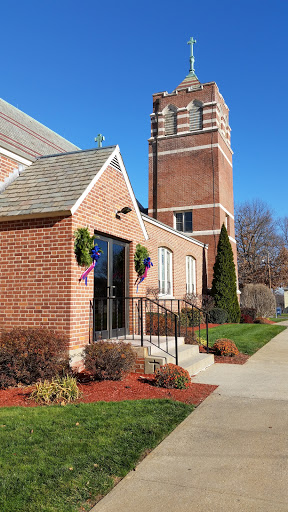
<point>180,248</point>
<point>6,166</point>
<point>35,276</point>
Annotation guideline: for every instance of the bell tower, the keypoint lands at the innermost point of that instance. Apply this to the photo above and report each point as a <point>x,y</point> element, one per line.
<point>190,162</point>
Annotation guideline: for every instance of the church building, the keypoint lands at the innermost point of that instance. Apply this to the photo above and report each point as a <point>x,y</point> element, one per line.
<point>49,188</point>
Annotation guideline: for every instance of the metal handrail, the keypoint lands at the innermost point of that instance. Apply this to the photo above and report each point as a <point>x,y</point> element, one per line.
<point>140,308</point>
<point>205,315</point>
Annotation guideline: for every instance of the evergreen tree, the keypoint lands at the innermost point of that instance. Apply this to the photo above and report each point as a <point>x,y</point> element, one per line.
<point>224,279</point>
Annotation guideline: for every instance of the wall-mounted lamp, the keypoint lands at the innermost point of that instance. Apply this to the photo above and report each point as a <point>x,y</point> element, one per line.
<point>124,210</point>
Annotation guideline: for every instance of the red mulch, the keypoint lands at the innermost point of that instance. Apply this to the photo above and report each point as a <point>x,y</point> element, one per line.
<point>203,326</point>
<point>240,359</point>
<point>133,387</point>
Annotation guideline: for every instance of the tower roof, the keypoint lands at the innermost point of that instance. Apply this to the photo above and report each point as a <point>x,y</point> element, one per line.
<point>191,79</point>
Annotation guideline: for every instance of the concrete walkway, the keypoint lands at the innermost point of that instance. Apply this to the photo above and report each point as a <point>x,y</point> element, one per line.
<point>230,454</point>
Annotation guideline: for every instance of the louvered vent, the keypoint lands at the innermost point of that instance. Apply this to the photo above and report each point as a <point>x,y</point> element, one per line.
<point>170,123</point>
<point>114,163</point>
<point>195,118</point>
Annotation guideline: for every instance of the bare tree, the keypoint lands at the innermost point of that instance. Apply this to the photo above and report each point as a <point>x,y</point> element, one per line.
<point>258,244</point>
<point>283,225</point>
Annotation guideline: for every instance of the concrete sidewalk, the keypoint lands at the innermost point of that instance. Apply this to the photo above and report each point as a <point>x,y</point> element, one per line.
<point>230,454</point>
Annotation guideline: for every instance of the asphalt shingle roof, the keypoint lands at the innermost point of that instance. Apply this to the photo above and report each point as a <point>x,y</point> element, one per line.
<point>53,184</point>
<point>26,137</point>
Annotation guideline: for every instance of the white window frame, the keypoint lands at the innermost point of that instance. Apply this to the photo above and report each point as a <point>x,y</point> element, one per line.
<point>165,274</point>
<point>183,220</point>
<point>191,275</point>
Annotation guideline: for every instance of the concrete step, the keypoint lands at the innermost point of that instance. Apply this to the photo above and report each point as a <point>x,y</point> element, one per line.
<point>199,363</point>
<point>185,352</point>
<point>135,340</point>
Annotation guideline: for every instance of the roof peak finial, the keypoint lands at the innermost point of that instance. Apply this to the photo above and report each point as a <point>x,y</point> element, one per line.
<point>192,58</point>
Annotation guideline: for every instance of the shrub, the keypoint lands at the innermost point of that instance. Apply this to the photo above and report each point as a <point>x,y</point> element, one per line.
<point>248,315</point>
<point>29,355</point>
<point>196,340</point>
<point>225,347</point>
<point>260,298</point>
<point>172,376</point>
<point>159,327</point>
<point>109,360</point>
<point>59,390</point>
<point>218,316</point>
<point>224,288</point>
<point>191,317</point>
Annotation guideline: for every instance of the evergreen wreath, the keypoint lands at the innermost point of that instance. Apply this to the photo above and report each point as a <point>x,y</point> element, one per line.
<point>83,245</point>
<point>140,255</point>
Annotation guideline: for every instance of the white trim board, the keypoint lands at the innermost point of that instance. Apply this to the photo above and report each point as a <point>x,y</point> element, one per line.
<point>15,157</point>
<point>193,148</point>
<point>171,230</point>
<point>116,153</point>
<point>194,207</point>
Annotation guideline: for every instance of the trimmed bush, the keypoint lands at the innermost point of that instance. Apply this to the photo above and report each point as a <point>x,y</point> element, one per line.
<point>172,376</point>
<point>218,316</point>
<point>107,360</point>
<point>260,298</point>
<point>190,317</point>
<point>225,347</point>
<point>29,355</point>
<point>59,390</point>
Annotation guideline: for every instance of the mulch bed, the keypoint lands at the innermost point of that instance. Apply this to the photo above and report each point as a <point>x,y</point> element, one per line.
<point>133,387</point>
<point>240,359</point>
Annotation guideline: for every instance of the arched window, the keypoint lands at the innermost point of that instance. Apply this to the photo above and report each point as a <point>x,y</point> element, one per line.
<point>190,274</point>
<point>165,271</point>
<point>195,116</point>
<point>170,117</point>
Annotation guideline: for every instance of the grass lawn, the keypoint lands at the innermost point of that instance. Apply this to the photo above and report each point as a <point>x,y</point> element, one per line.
<point>247,337</point>
<point>61,458</point>
<point>280,318</point>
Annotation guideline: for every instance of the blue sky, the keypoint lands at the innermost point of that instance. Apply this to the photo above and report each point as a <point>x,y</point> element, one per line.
<point>90,67</point>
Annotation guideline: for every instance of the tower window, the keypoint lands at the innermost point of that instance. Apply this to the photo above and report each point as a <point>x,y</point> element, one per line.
<point>195,117</point>
<point>190,275</point>
<point>170,121</point>
<point>183,221</point>
<point>165,271</point>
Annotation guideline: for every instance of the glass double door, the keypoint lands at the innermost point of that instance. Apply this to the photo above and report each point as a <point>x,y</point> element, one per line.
<point>110,285</point>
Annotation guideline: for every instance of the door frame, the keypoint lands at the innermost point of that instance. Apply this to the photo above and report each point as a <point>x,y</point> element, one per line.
<point>126,244</point>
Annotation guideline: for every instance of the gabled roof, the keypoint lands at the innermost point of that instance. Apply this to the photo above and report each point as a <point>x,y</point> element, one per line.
<point>24,136</point>
<point>190,80</point>
<point>58,184</point>
<point>53,184</point>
